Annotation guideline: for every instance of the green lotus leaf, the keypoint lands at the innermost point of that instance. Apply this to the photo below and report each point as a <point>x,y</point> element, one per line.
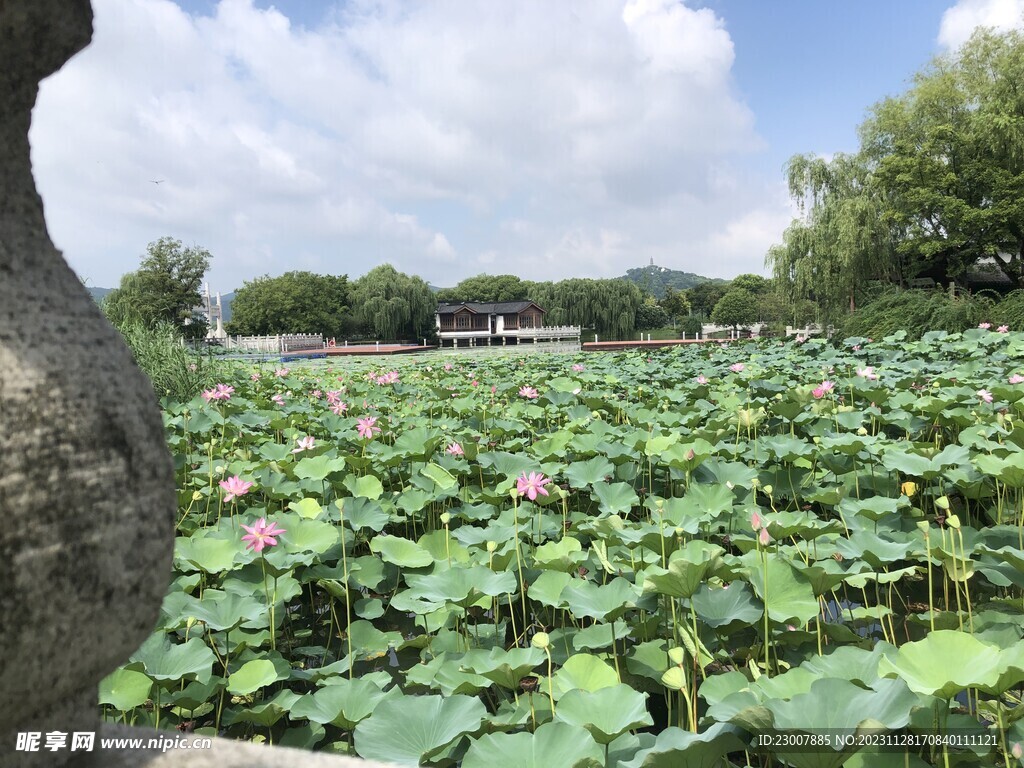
<point>344,703</point>
<point>687,568</point>
<point>370,643</point>
<point>207,554</point>
<point>504,667</point>
<point>547,588</point>
<point>583,671</point>
<point>605,603</point>
<point>318,467</point>
<point>408,730</point>
<point>462,586</point>
<point>252,676</point>
<point>787,594</point>
<point>563,555</point>
<point>676,748</point>
<point>553,745</point>
<point>359,513</point>
<point>727,607</point>
<point>364,486</point>
<point>125,689</point>
<point>164,660</point>
<point>306,508</point>
<point>440,476</point>
<point>225,610</point>
<point>580,474</point>
<point>264,714</point>
<point>606,713</point>
<point>615,498</point>
<point>600,635</point>
<point>400,552</point>
<point>936,666</point>
<point>444,673</point>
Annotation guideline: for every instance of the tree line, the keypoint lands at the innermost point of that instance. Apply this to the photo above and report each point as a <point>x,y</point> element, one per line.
<point>934,192</point>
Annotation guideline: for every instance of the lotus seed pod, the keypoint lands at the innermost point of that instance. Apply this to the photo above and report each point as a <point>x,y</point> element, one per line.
<point>942,502</point>
<point>541,640</point>
<point>922,526</point>
<point>862,431</point>
<point>953,521</point>
<point>445,518</point>
<point>196,496</point>
<point>676,655</point>
<point>768,489</point>
<point>491,546</point>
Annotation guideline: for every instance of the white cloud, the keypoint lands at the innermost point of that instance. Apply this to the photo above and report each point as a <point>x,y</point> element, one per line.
<point>963,18</point>
<point>570,138</point>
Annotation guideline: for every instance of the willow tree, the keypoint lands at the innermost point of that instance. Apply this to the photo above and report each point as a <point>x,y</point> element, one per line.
<point>950,155</point>
<point>843,237</point>
<point>392,305</point>
<point>607,306</point>
<point>486,288</point>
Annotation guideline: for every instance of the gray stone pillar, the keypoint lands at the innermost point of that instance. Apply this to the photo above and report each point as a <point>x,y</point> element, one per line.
<point>86,483</point>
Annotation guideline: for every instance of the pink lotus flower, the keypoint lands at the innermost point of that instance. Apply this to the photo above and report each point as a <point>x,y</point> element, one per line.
<point>1016,379</point>
<point>455,450</point>
<point>529,393</point>
<point>281,373</point>
<point>391,377</point>
<point>984,326</point>
<point>235,487</point>
<point>447,366</point>
<point>856,347</point>
<point>279,399</point>
<point>1003,329</point>
<point>339,408</point>
<point>736,367</point>
<point>867,373</point>
<point>307,443</point>
<point>262,534</point>
<point>494,389</point>
<point>532,485</point>
<point>367,426</point>
<point>823,389</point>
<point>756,521</point>
<point>577,367</point>
<point>317,394</point>
<point>255,376</point>
<point>474,383</point>
<point>702,379</point>
<point>220,392</point>
<point>333,397</point>
<point>985,395</point>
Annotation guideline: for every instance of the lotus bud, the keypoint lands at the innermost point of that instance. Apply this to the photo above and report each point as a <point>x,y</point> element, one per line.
<point>953,521</point>
<point>541,640</point>
<point>445,518</point>
<point>690,455</point>
<point>491,546</point>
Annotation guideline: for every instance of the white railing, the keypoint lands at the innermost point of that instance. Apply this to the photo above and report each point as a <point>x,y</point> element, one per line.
<point>291,342</point>
<point>544,332</point>
<point>811,330</point>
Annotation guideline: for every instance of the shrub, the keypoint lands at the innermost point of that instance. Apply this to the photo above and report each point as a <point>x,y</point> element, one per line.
<point>174,370</point>
<point>916,312</point>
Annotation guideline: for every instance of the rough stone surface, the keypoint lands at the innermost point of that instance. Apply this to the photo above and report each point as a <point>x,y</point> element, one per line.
<point>86,485</point>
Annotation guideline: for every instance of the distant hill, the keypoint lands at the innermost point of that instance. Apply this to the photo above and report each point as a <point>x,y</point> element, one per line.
<point>98,293</point>
<point>656,279</point>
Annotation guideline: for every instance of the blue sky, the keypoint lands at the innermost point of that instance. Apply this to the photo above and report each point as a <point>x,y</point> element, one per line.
<point>450,138</point>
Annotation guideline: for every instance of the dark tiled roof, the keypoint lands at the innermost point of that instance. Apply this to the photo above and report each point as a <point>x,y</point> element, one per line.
<point>499,308</point>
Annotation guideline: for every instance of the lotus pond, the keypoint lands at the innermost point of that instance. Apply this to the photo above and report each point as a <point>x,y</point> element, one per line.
<point>630,559</point>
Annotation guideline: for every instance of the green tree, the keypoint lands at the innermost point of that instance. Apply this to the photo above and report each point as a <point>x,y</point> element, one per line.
<point>704,296</point>
<point>737,307</point>
<point>389,304</point>
<point>756,284</point>
<point>950,155</point>
<point>295,302</point>
<point>164,289</point>
<point>607,306</point>
<point>675,304</point>
<point>485,288</point>
<point>650,315</point>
